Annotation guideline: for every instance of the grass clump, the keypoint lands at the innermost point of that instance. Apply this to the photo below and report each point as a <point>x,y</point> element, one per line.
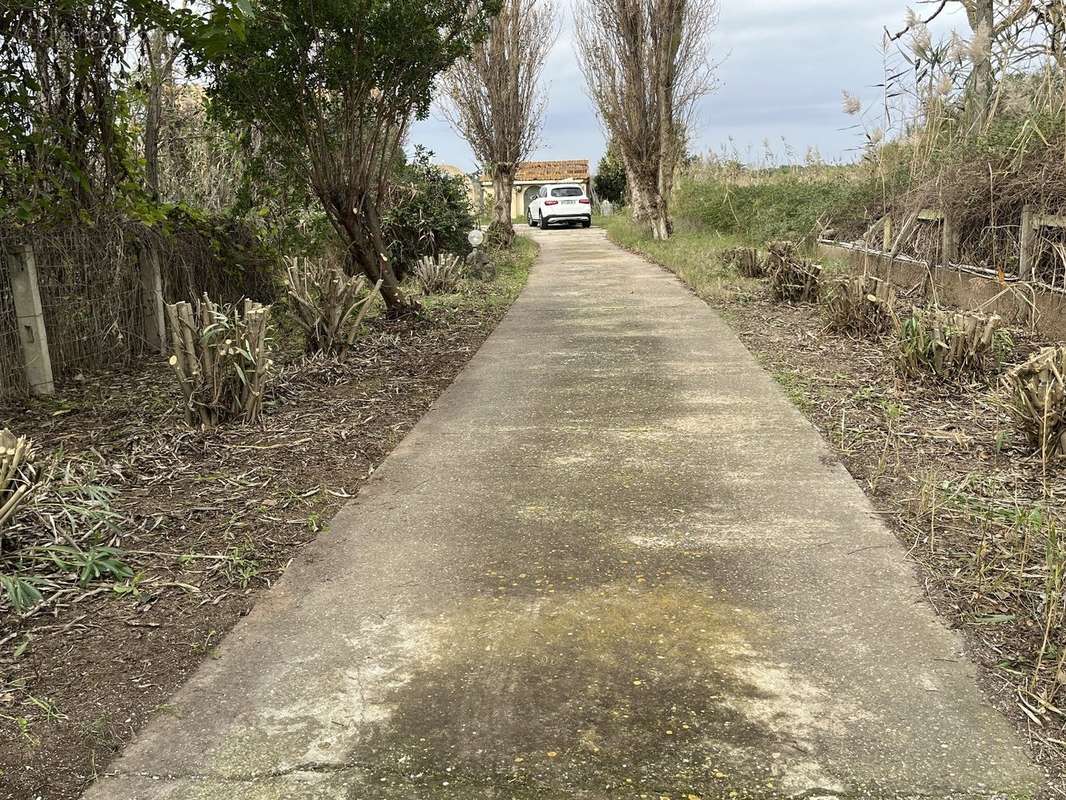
<point>861,305</point>
<point>439,275</point>
<point>745,261</point>
<point>1037,391</point>
<point>221,356</point>
<point>327,304</point>
<point>792,278</point>
<point>950,344</point>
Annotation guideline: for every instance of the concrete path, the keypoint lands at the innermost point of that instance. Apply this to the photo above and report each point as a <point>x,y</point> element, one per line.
<point>612,562</point>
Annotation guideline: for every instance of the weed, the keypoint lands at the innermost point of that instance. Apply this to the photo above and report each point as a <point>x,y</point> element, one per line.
<point>96,563</point>
<point>1016,554</point>
<point>796,388</point>
<point>21,592</point>
<point>240,565</point>
<point>692,255</point>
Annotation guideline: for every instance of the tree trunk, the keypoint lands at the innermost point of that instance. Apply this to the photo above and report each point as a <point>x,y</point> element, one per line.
<point>365,253</point>
<point>982,21</point>
<point>649,204</point>
<point>501,231</point>
<point>659,217</point>
<point>662,226</point>
<point>638,201</point>
<point>159,65</point>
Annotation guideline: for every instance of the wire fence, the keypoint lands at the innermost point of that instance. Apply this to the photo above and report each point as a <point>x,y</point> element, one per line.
<point>995,248</point>
<point>924,242</point>
<point>12,376</point>
<point>991,249</point>
<point>1049,258</point>
<point>94,313</point>
<point>93,301</point>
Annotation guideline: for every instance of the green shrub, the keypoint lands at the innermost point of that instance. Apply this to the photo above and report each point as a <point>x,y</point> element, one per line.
<point>782,206</point>
<point>429,213</point>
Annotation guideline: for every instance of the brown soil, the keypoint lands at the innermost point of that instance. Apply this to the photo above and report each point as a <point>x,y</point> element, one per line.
<point>211,520</point>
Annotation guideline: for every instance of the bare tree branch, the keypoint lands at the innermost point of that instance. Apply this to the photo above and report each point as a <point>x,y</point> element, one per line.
<point>494,99</point>
<point>646,66</point>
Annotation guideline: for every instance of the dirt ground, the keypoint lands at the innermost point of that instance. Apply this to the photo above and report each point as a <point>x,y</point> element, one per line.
<point>210,520</point>
<point>941,463</point>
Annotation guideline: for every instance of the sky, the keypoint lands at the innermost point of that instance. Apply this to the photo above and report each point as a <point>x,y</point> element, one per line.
<point>782,67</point>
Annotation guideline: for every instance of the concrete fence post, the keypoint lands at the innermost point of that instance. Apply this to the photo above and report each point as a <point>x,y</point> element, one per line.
<point>155,332</point>
<point>1027,239</point>
<point>887,238</point>
<point>949,248</point>
<point>26,294</point>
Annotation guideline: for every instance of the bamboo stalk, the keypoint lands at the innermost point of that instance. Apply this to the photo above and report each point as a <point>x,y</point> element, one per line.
<point>18,477</point>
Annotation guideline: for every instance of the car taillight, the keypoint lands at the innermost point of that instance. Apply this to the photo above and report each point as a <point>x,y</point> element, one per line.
<point>584,201</point>
<point>551,202</point>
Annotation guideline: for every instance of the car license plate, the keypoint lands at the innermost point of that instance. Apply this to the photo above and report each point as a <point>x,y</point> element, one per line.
<point>569,202</point>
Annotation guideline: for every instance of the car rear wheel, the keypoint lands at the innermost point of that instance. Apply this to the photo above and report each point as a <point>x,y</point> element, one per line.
<point>529,219</point>
<point>586,224</point>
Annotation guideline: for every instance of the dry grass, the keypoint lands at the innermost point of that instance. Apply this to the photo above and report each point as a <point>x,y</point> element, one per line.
<point>792,278</point>
<point>860,305</point>
<point>1037,391</point>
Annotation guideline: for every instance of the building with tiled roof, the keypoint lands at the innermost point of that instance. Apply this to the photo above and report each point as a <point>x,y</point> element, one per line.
<point>473,190</point>
<point>531,175</point>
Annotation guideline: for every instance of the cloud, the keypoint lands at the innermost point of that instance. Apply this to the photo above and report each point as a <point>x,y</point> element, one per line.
<point>782,66</point>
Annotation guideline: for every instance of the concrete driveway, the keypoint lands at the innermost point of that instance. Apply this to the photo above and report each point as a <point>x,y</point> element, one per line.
<point>612,561</point>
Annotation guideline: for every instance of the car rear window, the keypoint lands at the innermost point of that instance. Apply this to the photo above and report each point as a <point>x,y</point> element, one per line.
<point>568,191</point>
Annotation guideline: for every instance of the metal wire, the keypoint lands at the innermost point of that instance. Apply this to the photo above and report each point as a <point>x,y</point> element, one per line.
<point>12,374</point>
<point>1049,257</point>
<point>91,299</point>
<point>996,247</point>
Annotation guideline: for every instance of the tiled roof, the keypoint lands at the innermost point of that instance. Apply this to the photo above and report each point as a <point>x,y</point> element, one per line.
<point>551,171</point>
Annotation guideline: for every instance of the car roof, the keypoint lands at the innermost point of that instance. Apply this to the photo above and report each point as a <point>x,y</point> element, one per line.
<point>566,184</point>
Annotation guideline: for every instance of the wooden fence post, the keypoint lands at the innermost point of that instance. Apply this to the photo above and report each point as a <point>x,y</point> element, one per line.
<point>22,268</point>
<point>155,332</point>
<point>1026,240</point>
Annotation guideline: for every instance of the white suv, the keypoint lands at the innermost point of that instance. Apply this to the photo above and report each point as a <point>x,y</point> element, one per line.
<point>560,202</point>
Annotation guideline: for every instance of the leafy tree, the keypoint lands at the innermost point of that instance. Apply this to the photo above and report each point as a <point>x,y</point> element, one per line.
<point>610,180</point>
<point>330,87</point>
<point>429,213</point>
<point>67,136</point>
